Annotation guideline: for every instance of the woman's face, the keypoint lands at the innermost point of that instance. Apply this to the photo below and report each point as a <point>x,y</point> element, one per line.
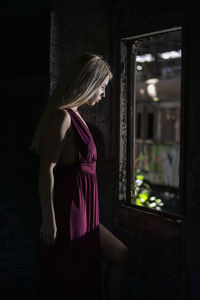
<point>100,93</point>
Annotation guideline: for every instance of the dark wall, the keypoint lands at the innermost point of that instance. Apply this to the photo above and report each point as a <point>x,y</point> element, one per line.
<point>24,86</point>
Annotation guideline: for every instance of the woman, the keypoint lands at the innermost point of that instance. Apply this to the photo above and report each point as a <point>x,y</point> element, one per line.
<point>72,242</point>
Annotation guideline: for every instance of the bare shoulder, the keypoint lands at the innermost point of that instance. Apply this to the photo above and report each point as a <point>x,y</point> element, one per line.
<point>60,119</point>
<point>58,124</point>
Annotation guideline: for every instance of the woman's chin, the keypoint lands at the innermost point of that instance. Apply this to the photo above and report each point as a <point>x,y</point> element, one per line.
<point>92,103</point>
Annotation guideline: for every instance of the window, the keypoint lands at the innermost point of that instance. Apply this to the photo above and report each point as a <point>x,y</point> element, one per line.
<point>150,110</point>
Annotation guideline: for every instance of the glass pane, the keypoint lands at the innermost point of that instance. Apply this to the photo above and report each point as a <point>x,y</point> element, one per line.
<point>157,121</point>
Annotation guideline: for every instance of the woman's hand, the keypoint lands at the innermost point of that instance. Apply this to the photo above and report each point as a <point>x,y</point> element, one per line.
<point>48,231</point>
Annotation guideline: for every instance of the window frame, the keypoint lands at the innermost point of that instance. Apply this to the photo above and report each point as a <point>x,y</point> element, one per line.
<point>129,93</point>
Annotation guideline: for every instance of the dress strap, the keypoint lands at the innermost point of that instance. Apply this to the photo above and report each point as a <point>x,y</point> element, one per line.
<point>82,129</point>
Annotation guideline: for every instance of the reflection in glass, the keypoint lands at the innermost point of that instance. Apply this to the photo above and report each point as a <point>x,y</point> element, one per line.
<point>157,121</point>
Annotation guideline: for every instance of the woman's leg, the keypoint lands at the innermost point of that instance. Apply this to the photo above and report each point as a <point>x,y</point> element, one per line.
<point>116,255</point>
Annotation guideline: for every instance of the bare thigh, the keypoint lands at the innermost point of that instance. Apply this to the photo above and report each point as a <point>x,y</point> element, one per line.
<point>112,249</point>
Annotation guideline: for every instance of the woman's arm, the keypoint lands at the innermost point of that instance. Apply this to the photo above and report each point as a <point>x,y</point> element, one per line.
<point>51,146</point>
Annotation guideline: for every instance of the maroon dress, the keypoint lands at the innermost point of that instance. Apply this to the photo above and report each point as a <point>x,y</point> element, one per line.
<point>70,269</point>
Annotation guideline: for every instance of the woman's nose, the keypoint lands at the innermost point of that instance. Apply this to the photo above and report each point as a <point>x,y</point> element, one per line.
<point>103,94</point>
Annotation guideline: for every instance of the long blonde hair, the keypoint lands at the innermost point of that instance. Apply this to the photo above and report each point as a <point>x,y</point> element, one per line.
<point>75,87</point>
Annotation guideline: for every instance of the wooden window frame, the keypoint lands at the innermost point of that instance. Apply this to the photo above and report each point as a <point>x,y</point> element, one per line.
<point>128,209</point>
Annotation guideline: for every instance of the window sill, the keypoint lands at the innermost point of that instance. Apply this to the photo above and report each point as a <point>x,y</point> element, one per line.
<point>150,224</point>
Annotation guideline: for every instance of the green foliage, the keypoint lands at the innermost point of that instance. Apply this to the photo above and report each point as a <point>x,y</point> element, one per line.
<point>142,194</point>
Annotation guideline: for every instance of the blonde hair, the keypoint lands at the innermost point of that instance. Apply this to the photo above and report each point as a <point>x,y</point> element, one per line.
<point>75,87</point>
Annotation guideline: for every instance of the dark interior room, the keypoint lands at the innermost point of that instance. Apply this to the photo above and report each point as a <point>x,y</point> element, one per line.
<point>146,130</point>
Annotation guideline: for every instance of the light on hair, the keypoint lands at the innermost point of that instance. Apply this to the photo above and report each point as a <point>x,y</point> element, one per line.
<point>74,88</point>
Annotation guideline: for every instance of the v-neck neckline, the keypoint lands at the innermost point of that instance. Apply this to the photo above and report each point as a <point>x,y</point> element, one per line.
<point>79,118</point>
<point>84,125</point>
